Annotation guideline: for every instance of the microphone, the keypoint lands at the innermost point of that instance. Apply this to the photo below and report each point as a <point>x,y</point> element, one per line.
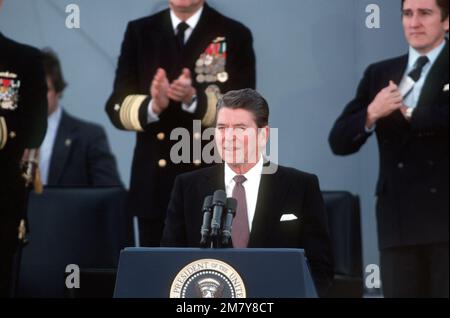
<point>231,212</point>
<point>219,200</point>
<point>207,203</point>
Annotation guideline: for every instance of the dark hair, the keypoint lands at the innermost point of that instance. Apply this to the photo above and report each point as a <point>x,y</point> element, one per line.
<point>247,99</point>
<point>52,68</point>
<point>443,5</point>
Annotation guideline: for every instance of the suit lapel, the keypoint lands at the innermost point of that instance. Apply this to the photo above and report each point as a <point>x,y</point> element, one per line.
<point>201,37</point>
<point>61,149</point>
<point>435,81</point>
<point>215,179</point>
<point>169,51</point>
<point>396,75</point>
<point>395,121</point>
<point>270,196</point>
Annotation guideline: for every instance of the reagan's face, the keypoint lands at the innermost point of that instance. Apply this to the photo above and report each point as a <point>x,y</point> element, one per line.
<point>423,25</point>
<point>238,139</point>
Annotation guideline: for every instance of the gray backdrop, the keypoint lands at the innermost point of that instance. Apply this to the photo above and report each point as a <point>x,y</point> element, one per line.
<point>310,57</point>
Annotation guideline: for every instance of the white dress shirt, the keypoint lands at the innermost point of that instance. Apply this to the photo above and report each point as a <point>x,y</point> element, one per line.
<point>46,150</point>
<point>251,187</point>
<point>412,98</point>
<point>192,22</point>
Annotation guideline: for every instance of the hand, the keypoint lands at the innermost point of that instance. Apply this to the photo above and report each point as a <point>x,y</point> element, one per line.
<point>404,110</point>
<point>181,90</point>
<point>385,103</point>
<point>158,91</point>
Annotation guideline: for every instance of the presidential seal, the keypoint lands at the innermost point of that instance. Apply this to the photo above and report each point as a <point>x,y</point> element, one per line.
<point>208,278</point>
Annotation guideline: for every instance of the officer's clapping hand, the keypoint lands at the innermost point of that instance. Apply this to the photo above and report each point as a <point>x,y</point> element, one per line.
<point>159,91</point>
<point>181,90</point>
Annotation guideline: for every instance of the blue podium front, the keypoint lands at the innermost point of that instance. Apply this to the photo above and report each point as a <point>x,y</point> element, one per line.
<point>213,273</point>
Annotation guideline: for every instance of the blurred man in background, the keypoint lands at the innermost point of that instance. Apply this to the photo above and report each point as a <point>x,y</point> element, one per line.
<point>74,152</point>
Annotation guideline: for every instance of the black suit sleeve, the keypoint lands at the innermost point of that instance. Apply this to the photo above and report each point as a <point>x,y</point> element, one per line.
<point>174,234</point>
<point>102,168</point>
<point>348,133</point>
<point>127,109</point>
<point>316,237</point>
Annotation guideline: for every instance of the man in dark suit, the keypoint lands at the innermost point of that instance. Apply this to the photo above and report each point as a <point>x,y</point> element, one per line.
<point>74,152</point>
<point>23,113</point>
<point>277,208</point>
<point>172,67</point>
<point>405,101</point>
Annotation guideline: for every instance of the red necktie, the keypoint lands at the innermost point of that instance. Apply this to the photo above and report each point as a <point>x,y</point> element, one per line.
<point>240,232</point>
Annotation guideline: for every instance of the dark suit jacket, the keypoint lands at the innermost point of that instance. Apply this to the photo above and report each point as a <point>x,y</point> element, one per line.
<point>288,191</point>
<point>23,125</point>
<point>81,156</point>
<point>412,189</point>
<point>150,43</point>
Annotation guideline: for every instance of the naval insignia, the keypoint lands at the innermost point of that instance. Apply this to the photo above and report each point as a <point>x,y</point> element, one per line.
<point>9,91</point>
<point>222,77</point>
<point>200,78</point>
<point>208,278</point>
<point>212,62</point>
<point>8,75</point>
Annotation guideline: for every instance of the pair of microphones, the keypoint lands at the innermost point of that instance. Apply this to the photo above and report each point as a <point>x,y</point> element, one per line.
<point>218,213</point>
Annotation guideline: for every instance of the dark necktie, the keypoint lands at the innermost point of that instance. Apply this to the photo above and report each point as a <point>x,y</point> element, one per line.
<point>240,232</point>
<point>181,29</point>
<point>417,71</point>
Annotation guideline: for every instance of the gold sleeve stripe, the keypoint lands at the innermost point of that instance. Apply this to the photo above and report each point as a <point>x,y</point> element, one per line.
<point>212,95</point>
<point>129,112</point>
<point>3,133</point>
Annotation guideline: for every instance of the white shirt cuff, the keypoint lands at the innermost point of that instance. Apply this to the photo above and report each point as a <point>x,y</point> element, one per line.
<point>151,116</point>
<point>189,108</point>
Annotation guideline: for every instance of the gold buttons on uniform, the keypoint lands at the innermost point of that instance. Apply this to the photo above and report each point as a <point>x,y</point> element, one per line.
<point>197,162</point>
<point>12,135</point>
<point>162,163</point>
<point>197,136</point>
<point>161,136</point>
